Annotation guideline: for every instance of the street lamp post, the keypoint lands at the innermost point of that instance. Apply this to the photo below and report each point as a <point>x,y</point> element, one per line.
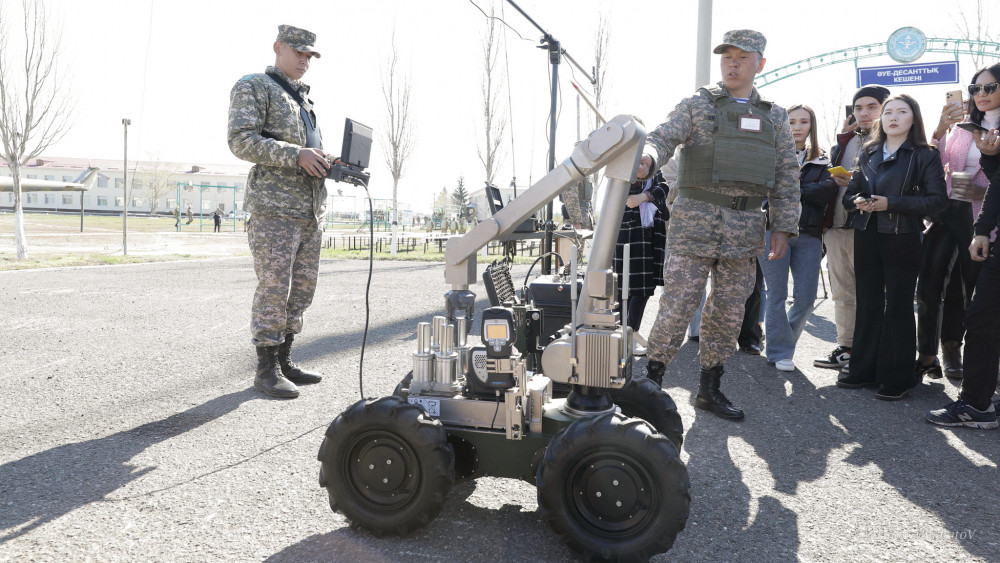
<point>125,124</point>
<point>704,44</point>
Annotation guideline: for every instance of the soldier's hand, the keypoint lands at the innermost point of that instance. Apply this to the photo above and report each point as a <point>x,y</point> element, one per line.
<point>980,248</point>
<point>779,246</point>
<point>313,161</point>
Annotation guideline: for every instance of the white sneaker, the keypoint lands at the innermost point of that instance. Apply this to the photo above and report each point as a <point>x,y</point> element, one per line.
<point>784,365</point>
<point>638,349</point>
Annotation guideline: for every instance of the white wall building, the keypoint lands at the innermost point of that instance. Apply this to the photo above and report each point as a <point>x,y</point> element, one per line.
<point>156,187</point>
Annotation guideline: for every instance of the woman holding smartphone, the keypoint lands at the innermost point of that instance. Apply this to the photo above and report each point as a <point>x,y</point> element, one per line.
<point>947,273</point>
<point>805,251</point>
<point>899,181</point>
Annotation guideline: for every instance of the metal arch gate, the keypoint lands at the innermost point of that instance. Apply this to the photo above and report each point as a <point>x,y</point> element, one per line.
<point>934,45</point>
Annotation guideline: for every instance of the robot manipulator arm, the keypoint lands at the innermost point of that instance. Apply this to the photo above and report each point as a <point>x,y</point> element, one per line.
<point>616,146</point>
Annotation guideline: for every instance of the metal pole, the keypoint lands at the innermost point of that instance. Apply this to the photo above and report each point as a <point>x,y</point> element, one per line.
<point>177,227</point>
<point>81,212</point>
<point>125,124</point>
<point>554,57</point>
<point>703,61</point>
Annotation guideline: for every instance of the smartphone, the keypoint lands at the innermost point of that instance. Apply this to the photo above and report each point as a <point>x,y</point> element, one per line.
<point>953,96</point>
<point>838,170</point>
<point>850,111</point>
<point>971,127</point>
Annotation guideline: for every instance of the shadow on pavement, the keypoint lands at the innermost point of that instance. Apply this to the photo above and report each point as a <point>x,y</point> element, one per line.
<point>524,537</point>
<point>42,487</point>
<point>793,427</point>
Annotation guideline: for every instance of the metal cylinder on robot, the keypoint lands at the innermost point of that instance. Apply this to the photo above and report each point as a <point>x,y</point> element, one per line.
<point>462,346</point>
<point>437,330</point>
<point>423,358</point>
<point>445,359</point>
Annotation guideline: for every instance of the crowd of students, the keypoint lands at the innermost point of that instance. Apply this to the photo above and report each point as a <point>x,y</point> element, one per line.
<point>899,215</point>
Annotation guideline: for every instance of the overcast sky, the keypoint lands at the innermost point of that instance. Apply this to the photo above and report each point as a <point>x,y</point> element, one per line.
<point>169,67</point>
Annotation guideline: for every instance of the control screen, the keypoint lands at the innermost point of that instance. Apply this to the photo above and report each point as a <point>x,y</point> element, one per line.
<point>496,331</point>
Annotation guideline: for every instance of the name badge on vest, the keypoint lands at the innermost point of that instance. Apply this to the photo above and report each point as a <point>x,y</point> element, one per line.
<point>751,123</point>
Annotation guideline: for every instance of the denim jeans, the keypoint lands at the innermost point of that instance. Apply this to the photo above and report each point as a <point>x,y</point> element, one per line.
<point>694,327</point>
<point>784,328</point>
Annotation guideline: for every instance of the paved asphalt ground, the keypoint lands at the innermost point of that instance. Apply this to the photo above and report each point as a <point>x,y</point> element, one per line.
<point>131,432</point>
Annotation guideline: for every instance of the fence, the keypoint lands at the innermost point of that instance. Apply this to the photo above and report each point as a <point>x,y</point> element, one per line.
<point>426,244</point>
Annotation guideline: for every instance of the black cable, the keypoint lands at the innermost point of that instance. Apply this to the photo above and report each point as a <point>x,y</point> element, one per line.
<point>368,286</point>
<point>528,275</point>
<point>496,411</point>
<point>500,20</point>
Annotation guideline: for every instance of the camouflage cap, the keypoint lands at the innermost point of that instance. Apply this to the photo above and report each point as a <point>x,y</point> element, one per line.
<point>746,39</point>
<point>299,39</point>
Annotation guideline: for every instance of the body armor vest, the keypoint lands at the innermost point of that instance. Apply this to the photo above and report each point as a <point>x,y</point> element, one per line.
<point>735,158</point>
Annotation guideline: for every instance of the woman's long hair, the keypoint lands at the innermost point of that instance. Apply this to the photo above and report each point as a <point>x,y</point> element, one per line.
<point>813,152</point>
<point>975,115</point>
<point>916,136</point>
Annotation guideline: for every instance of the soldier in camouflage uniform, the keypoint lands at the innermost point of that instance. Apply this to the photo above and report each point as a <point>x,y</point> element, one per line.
<point>272,124</point>
<point>737,150</point>
<point>575,211</point>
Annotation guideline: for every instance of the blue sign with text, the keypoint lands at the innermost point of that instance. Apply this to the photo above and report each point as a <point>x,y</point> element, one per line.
<point>910,75</point>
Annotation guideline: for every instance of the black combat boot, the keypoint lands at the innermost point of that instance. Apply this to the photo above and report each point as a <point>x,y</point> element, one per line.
<point>654,371</point>
<point>288,367</point>
<point>269,379</point>
<point>711,398</point>
<point>951,359</point>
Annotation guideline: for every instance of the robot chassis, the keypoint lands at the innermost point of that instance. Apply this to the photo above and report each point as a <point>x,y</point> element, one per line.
<point>604,458</point>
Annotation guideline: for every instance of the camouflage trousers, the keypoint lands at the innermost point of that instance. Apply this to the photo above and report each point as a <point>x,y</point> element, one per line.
<point>571,201</point>
<point>286,259</point>
<point>683,285</point>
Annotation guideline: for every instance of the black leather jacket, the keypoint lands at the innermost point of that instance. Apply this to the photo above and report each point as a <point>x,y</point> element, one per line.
<point>913,181</point>
<point>989,215</point>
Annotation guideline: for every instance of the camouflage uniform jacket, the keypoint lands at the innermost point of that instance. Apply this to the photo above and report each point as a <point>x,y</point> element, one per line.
<point>265,127</point>
<point>698,228</point>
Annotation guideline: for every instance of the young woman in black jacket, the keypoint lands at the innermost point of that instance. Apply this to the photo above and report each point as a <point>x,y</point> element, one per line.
<point>899,181</point>
<point>816,186</point>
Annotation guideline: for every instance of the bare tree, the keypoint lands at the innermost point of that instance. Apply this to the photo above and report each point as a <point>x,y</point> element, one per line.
<point>494,118</point>
<point>34,110</point>
<point>832,115</point>
<point>397,138</point>
<point>156,179</point>
<point>977,29</point>
<point>602,44</point>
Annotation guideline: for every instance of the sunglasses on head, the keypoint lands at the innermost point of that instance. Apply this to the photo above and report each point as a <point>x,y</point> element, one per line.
<point>990,88</point>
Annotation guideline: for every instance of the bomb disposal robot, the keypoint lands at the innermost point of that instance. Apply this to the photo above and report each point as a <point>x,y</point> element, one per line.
<point>604,458</point>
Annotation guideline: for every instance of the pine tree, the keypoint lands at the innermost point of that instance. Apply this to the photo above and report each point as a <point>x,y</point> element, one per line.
<point>460,198</point>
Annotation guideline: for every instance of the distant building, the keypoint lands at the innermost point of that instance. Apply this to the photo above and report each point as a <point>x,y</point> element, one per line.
<point>156,187</point>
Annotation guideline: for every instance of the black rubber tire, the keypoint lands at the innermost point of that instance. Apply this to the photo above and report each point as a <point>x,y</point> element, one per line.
<point>386,465</point>
<point>643,398</point>
<point>595,457</point>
